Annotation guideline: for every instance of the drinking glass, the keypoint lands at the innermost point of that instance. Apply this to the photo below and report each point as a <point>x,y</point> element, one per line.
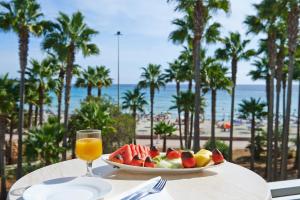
<point>88,147</point>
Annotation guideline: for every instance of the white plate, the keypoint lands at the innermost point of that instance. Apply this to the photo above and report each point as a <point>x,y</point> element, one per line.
<point>149,170</point>
<point>75,188</point>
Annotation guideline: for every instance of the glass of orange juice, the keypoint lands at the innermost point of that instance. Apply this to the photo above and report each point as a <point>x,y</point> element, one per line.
<point>88,147</point>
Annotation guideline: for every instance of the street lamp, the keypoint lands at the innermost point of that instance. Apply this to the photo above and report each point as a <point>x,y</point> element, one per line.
<point>118,34</point>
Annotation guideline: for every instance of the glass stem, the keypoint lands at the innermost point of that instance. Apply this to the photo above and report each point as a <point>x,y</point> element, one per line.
<point>89,168</point>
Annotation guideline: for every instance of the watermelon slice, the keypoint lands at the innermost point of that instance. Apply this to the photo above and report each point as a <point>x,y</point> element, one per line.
<point>133,151</point>
<point>142,152</point>
<point>146,151</point>
<point>125,152</point>
<point>138,151</point>
<point>118,151</point>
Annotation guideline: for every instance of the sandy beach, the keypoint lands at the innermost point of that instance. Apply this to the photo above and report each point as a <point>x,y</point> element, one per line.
<point>241,133</point>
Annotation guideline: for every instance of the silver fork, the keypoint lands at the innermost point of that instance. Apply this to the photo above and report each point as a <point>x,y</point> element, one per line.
<point>156,189</point>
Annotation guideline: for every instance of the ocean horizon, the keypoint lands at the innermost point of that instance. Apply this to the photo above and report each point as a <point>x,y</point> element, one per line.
<point>163,99</point>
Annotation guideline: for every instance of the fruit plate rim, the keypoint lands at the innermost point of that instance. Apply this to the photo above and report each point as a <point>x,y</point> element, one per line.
<point>137,169</point>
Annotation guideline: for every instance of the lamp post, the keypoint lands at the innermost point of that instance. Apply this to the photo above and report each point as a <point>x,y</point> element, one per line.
<point>118,34</point>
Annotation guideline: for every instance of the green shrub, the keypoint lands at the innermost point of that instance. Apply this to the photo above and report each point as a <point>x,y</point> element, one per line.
<point>260,144</point>
<point>99,113</point>
<point>123,124</point>
<point>43,143</point>
<point>222,146</point>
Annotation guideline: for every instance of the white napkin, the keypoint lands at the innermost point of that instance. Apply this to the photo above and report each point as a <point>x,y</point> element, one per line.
<point>150,183</point>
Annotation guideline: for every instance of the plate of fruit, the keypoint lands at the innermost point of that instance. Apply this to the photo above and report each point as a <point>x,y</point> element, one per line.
<point>142,159</point>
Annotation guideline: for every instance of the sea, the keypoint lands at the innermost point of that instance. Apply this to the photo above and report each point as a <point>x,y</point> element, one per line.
<point>164,98</point>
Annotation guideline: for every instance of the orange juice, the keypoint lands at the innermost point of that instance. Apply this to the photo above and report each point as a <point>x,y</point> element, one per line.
<point>88,149</point>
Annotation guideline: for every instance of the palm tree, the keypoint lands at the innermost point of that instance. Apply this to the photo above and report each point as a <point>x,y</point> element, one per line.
<point>57,83</point>
<point>200,10</point>
<point>176,72</point>
<point>265,21</point>
<point>24,18</point>
<point>31,98</point>
<point>76,36</point>
<point>186,60</point>
<point>281,54</point>
<point>297,77</point>
<point>234,49</point>
<point>214,78</point>
<point>135,102</point>
<point>8,99</point>
<point>252,109</point>
<point>262,72</point>
<point>153,79</point>
<point>54,44</point>
<point>165,129</point>
<point>184,102</point>
<point>293,7</point>
<point>9,108</point>
<point>284,80</point>
<point>3,125</point>
<point>103,79</point>
<point>41,73</point>
<point>57,87</point>
<point>87,79</point>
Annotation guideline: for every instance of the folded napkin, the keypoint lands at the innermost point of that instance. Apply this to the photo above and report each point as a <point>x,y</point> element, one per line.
<point>148,184</point>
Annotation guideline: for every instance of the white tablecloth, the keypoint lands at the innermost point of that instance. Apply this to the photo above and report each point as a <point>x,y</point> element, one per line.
<point>226,182</point>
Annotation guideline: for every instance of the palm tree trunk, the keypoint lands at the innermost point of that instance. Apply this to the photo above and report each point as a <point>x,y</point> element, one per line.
<point>213,117</point>
<point>23,54</point>
<point>293,24</point>
<point>36,113</point>
<point>191,130</point>
<point>231,123</point>
<point>73,143</point>
<point>89,90</point>
<point>179,115</point>
<point>252,148</point>
<point>198,31</point>
<point>99,91</point>
<point>59,100</point>
<point>70,62</point>
<point>297,165</point>
<point>283,99</point>
<point>190,85</point>
<point>233,71</point>
<point>30,115</point>
<point>165,143</point>
<point>41,105</point>
<point>186,128</point>
<point>272,63</point>
<point>151,115</point>
<point>134,128</point>
<point>3,122</point>
<point>60,91</point>
<point>11,129</point>
<point>278,88</point>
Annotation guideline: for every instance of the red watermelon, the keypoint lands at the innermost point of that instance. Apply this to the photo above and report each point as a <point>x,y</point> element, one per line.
<point>142,152</point>
<point>146,151</point>
<point>138,151</point>
<point>125,152</point>
<point>133,151</point>
<point>118,151</point>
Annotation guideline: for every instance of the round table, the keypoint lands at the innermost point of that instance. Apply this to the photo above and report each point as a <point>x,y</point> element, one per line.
<point>225,182</point>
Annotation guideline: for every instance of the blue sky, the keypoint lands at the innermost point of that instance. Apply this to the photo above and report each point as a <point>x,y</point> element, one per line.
<point>145,25</point>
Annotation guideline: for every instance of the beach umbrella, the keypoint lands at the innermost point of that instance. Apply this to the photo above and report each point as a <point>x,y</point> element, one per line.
<point>227,125</point>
